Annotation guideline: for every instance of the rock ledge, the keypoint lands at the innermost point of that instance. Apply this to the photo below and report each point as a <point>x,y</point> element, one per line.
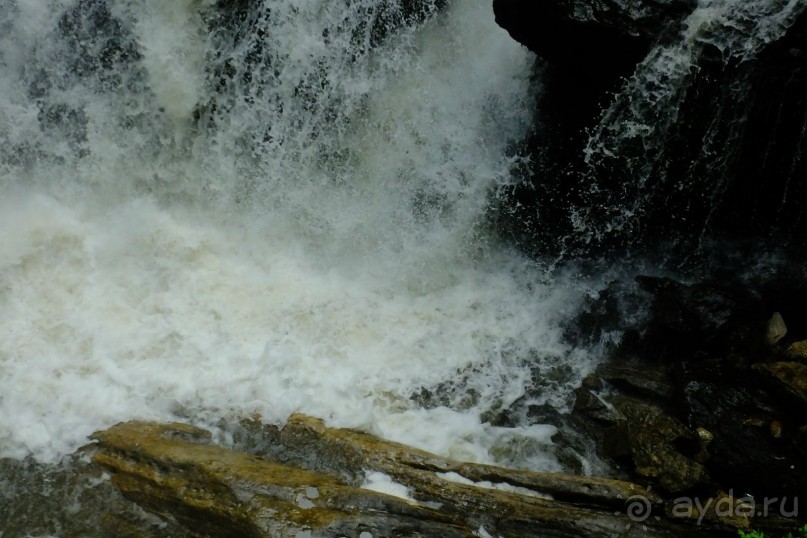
<point>308,482</point>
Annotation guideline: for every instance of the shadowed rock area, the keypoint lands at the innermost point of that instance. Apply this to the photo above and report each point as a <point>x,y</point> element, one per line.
<point>705,392</point>
<point>310,480</point>
<point>656,134</point>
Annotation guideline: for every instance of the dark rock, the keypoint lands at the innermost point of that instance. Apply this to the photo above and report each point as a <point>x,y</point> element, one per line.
<point>789,378</point>
<point>759,129</point>
<point>593,39</point>
<point>699,388</point>
<point>586,48</point>
<point>733,404</point>
<point>653,440</point>
<point>71,498</point>
<point>591,403</point>
<point>650,382</point>
<point>604,318</point>
<point>720,165</point>
<point>707,319</point>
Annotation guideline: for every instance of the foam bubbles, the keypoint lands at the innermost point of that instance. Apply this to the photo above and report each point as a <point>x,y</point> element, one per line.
<point>318,246</point>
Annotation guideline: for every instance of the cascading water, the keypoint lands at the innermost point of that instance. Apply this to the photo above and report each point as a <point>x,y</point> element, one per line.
<point>630,137</point>
<point>215,210</point>
<point>679,157</point>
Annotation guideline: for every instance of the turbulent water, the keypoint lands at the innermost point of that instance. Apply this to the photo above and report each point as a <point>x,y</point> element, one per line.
<point>212,211</point>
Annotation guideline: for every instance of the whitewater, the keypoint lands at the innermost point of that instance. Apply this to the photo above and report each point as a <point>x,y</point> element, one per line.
<point>213,213</point>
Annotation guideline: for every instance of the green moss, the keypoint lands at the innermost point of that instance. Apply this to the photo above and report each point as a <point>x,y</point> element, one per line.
<point>800,533</point>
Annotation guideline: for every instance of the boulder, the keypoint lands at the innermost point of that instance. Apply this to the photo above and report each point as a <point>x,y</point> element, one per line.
<point>651,382</point>
<point>174,471</point>
<point>777,329</point>
<point>708,319</point>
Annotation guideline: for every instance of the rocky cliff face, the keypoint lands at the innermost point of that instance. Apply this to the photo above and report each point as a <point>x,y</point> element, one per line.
<point>601,38</point>
<point>668,125</point>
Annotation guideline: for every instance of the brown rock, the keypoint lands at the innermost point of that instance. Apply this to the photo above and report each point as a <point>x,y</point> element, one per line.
<point>798,350</point>
<point>776,429</point>
<point>173,471</point>
<point>705,436</point>
<point>790,376</point>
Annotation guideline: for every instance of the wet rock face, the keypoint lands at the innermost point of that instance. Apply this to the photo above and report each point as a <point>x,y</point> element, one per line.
<point>651,440</point>
<point>757,445</point>
<point>71,498</point>
<point>726,173</point>
<point>583,47</point>
<point>319,488</point>
<point>788,378</point>
<point>706,319</point>
<point>742,133</point>
<point>661,320</point>
<point>707,389</point>
<point>593,39</point>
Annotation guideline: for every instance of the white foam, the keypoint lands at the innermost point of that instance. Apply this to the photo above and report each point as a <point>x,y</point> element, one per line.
<point>482,533</point>
<point>383,483</point>
<point>138,313</point>
<point>486,484</point>
<point>224,273</point>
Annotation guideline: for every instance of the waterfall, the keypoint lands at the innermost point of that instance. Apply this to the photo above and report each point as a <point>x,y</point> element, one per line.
<point>631,141</point>
<point>219,209</point>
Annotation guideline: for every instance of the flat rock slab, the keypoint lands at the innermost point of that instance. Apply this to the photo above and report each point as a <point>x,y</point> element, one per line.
<point>177,473</point>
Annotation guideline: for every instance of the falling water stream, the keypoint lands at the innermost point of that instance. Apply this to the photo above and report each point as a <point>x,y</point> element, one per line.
<point>212,213</point>
<point>215,210</point>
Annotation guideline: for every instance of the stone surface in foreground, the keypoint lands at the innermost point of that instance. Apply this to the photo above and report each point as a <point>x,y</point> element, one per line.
<point>307,482</point>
